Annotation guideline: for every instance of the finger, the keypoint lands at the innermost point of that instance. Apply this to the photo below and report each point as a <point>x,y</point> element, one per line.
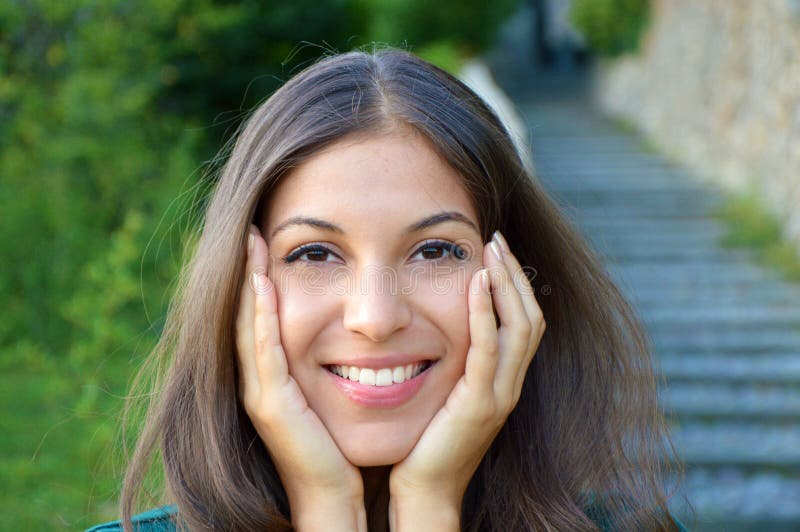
<point>521,282</point>
<point>532,308</point>
<point>515,330</point>
<point>245,316</point>
<point>482,354</point>
<point>270,360</point>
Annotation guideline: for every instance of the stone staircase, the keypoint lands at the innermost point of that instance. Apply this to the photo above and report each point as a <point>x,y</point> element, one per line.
<point>726,332</point>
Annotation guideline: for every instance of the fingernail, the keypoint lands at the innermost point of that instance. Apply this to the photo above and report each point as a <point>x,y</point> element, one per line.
<point>259,281</point>
<point>496,250</point>
<point>484,279</point>
<point>502,241</point>
<point>250,241</point>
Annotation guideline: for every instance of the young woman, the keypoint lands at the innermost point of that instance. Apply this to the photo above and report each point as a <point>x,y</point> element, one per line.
<point>387,324</point>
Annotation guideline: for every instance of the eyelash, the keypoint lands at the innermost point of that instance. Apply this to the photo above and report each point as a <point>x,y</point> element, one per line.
<point>456,251</point>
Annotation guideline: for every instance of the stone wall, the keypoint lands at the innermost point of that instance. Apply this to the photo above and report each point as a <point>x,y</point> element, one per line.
<point>716,86</point>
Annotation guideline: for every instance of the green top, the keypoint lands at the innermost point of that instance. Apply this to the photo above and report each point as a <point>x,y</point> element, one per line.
<point>158,520</point>
<point>155,520</point>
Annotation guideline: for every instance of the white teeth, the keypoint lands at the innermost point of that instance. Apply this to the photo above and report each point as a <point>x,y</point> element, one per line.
<point>378,377</point>
<point>367,376</point>
<point>352,373</point>
<point>383,377</point>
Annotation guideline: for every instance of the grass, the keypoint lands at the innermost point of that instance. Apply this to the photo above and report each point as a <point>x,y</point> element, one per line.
<point>628,127</point>
<point>753,226</point>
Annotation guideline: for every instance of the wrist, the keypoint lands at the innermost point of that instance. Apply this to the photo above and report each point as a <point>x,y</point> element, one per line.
<point>422,512</point>
<point>329,512</point>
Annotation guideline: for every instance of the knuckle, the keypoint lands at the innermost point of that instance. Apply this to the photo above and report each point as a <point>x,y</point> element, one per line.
<point>484,411</point>
<point>261,411</point>
<point>263,341</point>
<point>491,346</point>
<point>525,329</point>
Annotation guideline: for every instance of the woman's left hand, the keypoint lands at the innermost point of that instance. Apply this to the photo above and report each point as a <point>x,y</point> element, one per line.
<point>429,484</point>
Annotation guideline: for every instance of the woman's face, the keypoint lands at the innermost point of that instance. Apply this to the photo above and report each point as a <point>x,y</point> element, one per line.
<point>381,294</point>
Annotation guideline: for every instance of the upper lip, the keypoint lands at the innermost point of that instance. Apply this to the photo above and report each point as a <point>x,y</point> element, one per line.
<point>381,361</point>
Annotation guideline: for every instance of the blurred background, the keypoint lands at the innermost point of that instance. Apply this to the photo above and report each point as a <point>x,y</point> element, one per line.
<point>669,131</point>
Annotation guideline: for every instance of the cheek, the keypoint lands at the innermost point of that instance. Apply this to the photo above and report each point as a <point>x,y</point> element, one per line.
<point>302,312</point>
<point>445,305</point>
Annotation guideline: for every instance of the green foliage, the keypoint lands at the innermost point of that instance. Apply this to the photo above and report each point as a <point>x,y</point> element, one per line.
<point>751,225</point>
<point>611,27</point>
<point>108,110</point>
<point>469,25</point>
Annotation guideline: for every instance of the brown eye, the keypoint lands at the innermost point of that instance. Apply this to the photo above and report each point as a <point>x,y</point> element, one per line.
<point>315,252</point>
<point>440,250</point>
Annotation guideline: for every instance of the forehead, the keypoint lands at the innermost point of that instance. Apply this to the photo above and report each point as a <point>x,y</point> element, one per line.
<point>392,177</point>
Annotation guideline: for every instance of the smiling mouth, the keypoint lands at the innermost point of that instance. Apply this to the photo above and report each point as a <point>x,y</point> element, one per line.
<point>382,376</point>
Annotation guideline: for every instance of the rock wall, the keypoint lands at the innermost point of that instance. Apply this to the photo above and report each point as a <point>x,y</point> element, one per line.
<point>716,86</point>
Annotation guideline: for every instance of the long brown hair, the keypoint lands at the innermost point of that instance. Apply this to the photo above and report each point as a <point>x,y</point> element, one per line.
<point>587,440</point>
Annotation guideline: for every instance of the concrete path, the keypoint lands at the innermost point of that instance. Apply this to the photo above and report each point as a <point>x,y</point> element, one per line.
<point>726,331</point>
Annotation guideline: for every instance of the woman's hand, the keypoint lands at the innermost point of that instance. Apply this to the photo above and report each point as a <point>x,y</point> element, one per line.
<point>427,487</point>
<point>325,491</point>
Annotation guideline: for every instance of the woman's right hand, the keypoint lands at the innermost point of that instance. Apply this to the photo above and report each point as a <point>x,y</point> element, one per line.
<point>324,489</point>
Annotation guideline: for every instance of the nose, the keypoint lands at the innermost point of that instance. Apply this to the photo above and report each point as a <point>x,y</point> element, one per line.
<point>376,306</point>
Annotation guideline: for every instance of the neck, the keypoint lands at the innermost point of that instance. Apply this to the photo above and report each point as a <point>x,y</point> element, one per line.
<point>376,497</point>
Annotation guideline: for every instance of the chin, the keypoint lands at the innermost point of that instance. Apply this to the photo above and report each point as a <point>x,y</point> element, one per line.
<point>366,453</point>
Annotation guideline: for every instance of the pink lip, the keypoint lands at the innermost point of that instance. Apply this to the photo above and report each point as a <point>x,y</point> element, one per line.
<point>390,396</point>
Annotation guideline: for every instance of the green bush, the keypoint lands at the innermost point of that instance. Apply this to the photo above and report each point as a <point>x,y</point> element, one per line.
<point>467,25</point>
<point>611,27</point>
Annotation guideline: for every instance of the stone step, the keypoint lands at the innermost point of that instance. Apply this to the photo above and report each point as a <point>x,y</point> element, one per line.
<point>727,327</point>
<point>691,252</point>
<point>729,367</point>
<point>679,226</point>
<point>738,443</point>
<point>629,169</point>
<point>656,199</point>
<point>747,294</point>
<point>634,180</point>
<point>625,248</point>
<point>580,140</point>
<point>673,340</point>
<point>566,156</point>
<point>740,261</point>
<point>756,314</point>
<point>732,499</point>
<point>693,249</point>
<point>664,239</point>
<point>709,252</point>
<point>731,400</point>
<point>633,212</point>
<point>719,272</point>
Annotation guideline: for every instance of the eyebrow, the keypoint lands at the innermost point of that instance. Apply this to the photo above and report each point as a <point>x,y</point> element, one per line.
<point>434,219</point>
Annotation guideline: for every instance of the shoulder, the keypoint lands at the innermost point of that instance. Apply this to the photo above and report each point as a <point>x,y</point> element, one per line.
<point>155,520</point>
<point>681,526</point>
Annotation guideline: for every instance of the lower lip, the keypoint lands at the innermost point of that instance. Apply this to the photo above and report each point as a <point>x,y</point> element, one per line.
<point>390,396</point>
